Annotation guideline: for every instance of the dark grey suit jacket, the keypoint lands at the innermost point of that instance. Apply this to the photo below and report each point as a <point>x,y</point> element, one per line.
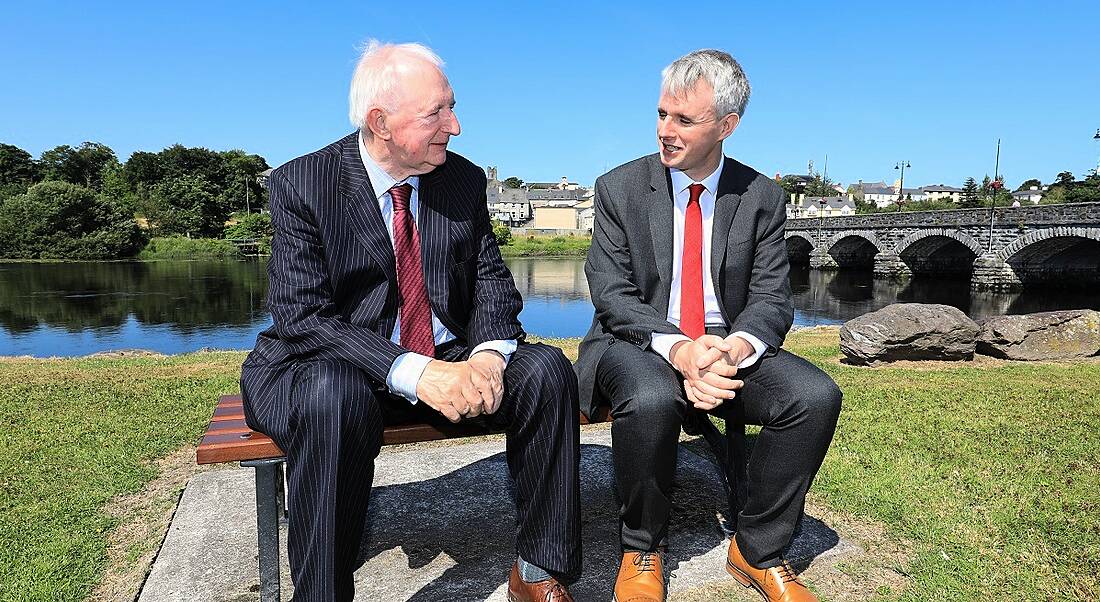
<point>333,292</point>
<point>629,266</point>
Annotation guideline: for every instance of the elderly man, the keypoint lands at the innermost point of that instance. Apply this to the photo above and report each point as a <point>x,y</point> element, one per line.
<point>390,298</point>
<point>688,271</point>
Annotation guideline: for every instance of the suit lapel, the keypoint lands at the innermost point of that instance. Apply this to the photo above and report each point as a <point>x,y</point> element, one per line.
<point>362,208</point>
<point>725,207</point>
<point>435,240</point>
<point>661,226</point>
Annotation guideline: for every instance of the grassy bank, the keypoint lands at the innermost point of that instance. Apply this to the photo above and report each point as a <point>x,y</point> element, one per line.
<point>180,247</point>
<point>547,246</point>
<point>992,468</point>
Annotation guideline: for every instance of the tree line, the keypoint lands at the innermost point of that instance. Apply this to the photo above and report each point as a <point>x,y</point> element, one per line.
<point>83,203</point>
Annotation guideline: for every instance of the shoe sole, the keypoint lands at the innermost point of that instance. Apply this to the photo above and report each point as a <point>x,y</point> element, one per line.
<point>744,579</point>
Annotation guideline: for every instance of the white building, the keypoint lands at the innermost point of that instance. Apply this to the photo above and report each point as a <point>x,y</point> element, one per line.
<point>1032,195</point>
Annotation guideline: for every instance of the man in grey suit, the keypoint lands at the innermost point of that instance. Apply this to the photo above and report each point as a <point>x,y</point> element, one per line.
<point>688,273</point>
<point>390,299</point>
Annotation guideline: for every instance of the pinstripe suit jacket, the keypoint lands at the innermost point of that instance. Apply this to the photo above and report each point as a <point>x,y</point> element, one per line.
<point>629,266</point>
<point>333,282</point>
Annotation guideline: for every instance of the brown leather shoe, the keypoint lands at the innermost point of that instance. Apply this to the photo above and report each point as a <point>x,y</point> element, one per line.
<point>539,591</point>
<point>641,578</point>
<point>776,584</point>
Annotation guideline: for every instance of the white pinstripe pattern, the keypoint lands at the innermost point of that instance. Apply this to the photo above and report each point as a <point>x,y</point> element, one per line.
<point>312,383</point>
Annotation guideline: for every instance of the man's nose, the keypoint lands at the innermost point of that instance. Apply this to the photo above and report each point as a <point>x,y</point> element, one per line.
<point>453,128</point>
<point>664,128</point>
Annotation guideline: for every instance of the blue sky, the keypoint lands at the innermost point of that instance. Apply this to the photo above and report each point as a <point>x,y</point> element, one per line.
<point>548,89</point>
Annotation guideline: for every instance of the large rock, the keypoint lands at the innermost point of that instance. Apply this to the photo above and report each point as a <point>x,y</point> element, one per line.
<point>909,331</point>
<point>1043,336</point>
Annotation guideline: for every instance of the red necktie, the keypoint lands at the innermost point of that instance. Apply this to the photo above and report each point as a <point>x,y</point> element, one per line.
<point>692,322</point>
<point>415,312</point>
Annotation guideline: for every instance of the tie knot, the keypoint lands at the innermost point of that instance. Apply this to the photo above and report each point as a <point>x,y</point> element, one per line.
<point>696,191</point>
<point>401,195</point>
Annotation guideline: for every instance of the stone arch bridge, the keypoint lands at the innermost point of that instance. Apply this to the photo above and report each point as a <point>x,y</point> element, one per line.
<point>1010,249</point>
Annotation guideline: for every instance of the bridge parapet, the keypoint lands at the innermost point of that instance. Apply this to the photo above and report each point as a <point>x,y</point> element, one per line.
<point>1031,215</point>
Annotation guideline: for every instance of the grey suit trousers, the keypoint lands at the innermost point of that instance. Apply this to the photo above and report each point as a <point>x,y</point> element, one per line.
<point>794,401</point>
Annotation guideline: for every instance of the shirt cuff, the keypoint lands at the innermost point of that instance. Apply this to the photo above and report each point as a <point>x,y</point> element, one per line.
<point>756,343</point>
<point>405,373</point>
<point>505,348</point>
<point>663,343</point>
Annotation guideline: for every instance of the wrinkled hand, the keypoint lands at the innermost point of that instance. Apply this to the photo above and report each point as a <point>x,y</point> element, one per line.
<point>487,377</point>
<point>707,381</point>
<point>447,388</point>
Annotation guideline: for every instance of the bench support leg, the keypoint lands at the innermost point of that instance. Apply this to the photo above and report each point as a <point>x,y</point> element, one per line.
<point>268,491</point>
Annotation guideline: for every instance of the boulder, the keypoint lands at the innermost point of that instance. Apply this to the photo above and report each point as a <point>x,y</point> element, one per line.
<point>909,331</point>
<point>1048,335</point>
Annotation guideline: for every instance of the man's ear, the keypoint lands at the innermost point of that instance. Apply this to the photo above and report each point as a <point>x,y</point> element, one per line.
<point>376,123</point>
<point>729,123</point>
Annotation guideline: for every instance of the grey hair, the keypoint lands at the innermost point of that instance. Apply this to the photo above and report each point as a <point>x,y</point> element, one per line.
<point>717,68</point>
<point>375,81</point>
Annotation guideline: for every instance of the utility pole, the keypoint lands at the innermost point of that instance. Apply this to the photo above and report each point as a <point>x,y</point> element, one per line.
<point>995,185</point>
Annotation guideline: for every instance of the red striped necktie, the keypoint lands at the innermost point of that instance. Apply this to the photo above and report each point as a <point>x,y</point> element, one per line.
<point>692,321</point>
<point>415,312</point>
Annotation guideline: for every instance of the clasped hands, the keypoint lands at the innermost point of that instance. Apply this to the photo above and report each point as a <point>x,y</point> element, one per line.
<point>463,389</point>
<point>708,365</point>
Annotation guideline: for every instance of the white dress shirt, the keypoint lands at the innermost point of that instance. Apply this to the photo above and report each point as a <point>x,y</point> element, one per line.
<point>406,371</point>
<point>712,315</point>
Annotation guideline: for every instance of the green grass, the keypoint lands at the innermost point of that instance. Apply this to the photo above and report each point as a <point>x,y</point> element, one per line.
<point>991,468</point>
<point>546,246</point>
<point>76,433</point>
<point>181,247</point>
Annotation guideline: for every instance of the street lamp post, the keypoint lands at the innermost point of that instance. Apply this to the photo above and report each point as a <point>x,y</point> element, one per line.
<point>821,220</point>
<point>1097,137</point>
<point>901,165</point>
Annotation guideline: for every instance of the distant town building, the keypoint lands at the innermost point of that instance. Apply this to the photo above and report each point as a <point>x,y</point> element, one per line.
<point>1032,195</point>
<point>561,217</point>
<point>506,205</point>
<point>812,207</point>
<point>940,191</point>
<point>879,193</point>
<point>586,214</point>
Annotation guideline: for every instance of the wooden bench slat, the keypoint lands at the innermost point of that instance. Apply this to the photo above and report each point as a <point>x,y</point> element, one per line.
<point>224,440</point>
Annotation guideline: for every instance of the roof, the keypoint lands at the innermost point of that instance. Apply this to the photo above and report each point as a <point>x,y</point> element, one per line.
<point>940,188</point>
<point>1027,193</point>
<point>834,202</point>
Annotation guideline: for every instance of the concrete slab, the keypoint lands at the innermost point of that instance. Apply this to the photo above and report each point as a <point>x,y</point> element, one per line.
<point>442,527</point>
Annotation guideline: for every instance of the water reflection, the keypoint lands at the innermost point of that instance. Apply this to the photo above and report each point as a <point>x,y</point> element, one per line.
<point>176,306</point>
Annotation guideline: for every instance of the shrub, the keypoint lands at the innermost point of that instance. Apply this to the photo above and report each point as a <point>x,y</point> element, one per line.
<point>181,247</point>
<point>58,220</point>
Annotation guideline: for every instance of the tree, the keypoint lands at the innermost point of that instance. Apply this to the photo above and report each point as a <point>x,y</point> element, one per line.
<point>82,165</point>
<point>970,198</point>
<point>186,204</point>
<point>792,186</point>
<point>820,186</point>
<point>1064,178</point>
<point>18,170</point>
<point>65,221</point>
<point>513,182</point>
<point>1027,184</point>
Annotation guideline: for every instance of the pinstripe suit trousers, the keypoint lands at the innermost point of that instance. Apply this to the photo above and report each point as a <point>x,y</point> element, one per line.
<point>330,426</point>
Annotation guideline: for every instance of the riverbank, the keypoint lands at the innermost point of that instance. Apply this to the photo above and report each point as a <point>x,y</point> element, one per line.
<point>992,477</point>
<point>547,246</point>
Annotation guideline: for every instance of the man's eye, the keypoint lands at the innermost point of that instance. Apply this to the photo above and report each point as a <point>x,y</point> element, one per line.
<point>661,114</point>
<point>685,121</point>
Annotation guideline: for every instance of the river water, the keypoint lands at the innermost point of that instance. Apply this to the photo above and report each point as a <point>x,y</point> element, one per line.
<point>72,309</point>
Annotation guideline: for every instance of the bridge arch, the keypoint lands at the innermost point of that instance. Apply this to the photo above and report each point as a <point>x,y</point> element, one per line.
<point>1065,256</point>
<point>854,248</point>
<point>799,248</point>
<point>938,251</point>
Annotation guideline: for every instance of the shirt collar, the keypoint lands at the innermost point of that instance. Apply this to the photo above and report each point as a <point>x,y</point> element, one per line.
<point>681,181</point>
<point>381,181</point>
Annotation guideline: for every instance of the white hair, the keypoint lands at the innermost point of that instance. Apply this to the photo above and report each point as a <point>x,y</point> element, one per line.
<point>717,68</point>
<point>374,81</point>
